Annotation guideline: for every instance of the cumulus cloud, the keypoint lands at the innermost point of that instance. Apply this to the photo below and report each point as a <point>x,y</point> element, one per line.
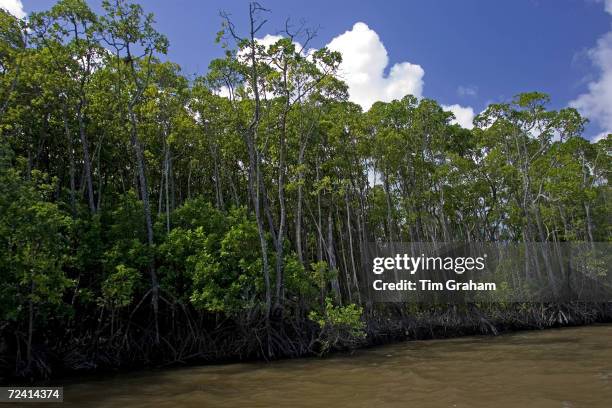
<point>596,103</point>
<point>364,59</point>
<point>15,7</point>
<point>464,115</point>
<point>268,40</point>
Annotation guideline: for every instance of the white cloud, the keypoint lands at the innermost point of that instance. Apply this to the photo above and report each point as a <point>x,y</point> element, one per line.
<point>268,40</point>
<point>15,7</point>
<point>364,59</point>
<point>464,115</point>
<point>596,104</point>
<point>600,136</point>
<point>467,90</point>
<point>224,91</point>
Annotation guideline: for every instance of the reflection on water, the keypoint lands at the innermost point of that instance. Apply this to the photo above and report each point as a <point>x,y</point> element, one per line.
<point>563,368</point>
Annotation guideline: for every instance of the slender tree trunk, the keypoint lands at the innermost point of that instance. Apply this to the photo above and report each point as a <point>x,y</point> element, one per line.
<point>254,165</point>
<point>160,198</point>
<point>71,159</point>
<point>189,181</point>
<point>300,198</point>
<point>86,159</point>
<point>267,211</point>
<point>172,184</point>
<point>345,268</point>
<point>390,227</point>
<point>167,195</point>
<point>546,253</point>
<point>320,220</point>
<point>283,210</point>
<point>234,191</point>
<point>254,189</point>
<point>298,224</point>
<point>589,222</point>
<point>331,254</point>
<point>217,175</point>
<point>351,254</point>
<point>144,193</point>
<point>444,222</point>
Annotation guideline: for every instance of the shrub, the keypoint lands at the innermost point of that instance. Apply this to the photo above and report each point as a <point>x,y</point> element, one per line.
<point>341,326</point>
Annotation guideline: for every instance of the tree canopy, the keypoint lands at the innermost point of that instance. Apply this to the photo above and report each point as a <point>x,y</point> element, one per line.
<point>131,194</point>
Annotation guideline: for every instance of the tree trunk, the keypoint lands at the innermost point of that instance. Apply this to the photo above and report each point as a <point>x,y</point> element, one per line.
<point>351,254</point>
<point>167,160</point>
<point>300,198</point>
<point>589,223</point>
<point>332,256</point>
<point>144,194</point>
<point>86,159</point>
<point>283,212</point>
<point>72,165</point>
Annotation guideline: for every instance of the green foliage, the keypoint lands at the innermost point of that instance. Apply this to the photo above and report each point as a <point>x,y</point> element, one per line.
<point>321,274</point>
<point>301,285</point>
<point>118,288</point>
<point>124,231</point>
<point>340,318</point>
<point>34,237</point>
<point>224,175</point>
<point>199,212</point>
<point>227,277</point>
<point>341,326</point>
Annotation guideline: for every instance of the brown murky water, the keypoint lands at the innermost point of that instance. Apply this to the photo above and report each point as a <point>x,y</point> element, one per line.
<point>563,368</point>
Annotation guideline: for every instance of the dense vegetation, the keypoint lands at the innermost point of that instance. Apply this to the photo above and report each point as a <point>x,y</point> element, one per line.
<point>146,219</point>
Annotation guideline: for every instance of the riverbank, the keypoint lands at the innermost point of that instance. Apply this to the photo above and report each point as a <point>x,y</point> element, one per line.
<point>384,324</point>
<point>550,368</point>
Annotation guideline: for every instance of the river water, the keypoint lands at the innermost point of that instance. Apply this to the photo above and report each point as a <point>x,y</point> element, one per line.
<point>562,368</point>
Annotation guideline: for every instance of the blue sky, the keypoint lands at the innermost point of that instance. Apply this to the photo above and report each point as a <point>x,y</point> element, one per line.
<point>470,52</point>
